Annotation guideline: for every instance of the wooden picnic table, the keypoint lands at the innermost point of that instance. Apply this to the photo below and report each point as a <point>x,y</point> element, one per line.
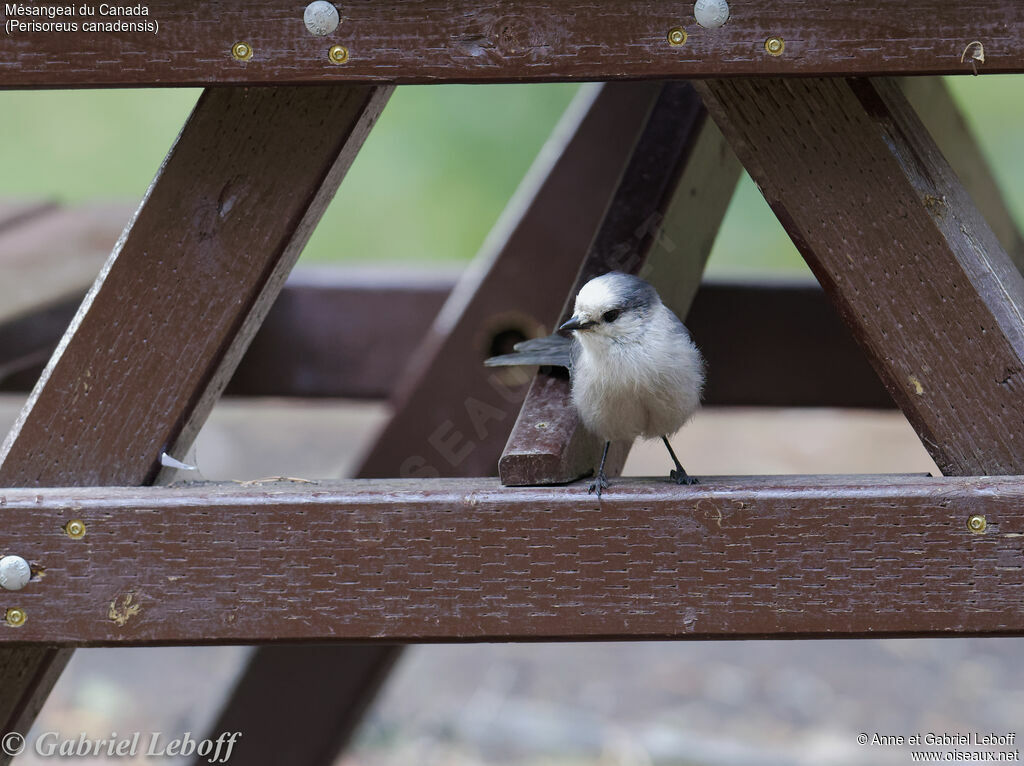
<point>901,224</point>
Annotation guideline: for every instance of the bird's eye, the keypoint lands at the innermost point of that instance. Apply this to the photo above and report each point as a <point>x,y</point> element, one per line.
<point>611,316</point>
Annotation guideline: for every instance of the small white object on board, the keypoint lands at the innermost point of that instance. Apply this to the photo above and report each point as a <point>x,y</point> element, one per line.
<point>14,573</point>
<point>711,14</point>
<point>321,17</point>
<point>169,462</point>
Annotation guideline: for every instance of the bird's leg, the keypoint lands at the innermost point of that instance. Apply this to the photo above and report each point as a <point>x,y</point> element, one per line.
<point>601,482</point>
<point>679,475</point>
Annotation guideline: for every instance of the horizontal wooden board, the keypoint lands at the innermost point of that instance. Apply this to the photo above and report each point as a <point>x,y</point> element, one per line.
<point>173,308</point>
<point>769,345</point>
<point>468,41</point>
<point>464,559</point>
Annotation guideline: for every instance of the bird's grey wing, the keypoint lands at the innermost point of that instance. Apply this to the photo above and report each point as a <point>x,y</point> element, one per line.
<point>553,351</point>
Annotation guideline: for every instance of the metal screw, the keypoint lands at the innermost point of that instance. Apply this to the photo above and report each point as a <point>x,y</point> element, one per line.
<point>338,54</point>
<point>16,617</point>
<point>321,18</point>
<point>977,524</point>
<point>775,46</point>
<point>14,573</point>
<point>676,36</point>
<point>241,51</point>
<point>711,14</point>
<point>75,529</point>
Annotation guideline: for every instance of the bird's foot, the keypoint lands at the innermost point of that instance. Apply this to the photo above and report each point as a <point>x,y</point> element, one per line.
<point>682,477</point>
<point>598,484</point>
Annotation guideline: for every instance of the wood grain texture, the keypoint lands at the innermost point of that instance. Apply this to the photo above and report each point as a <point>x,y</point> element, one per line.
<point>895,239</point>
<point>935,105</point>
<point>453,415</point>
<point>464,40</point>
<point>163,327</point>
<point>161,331</point>
<point>446,559</point>
<point>448,410</point>
<point>660,224</point>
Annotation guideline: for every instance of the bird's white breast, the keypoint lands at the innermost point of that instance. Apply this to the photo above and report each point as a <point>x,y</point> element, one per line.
<point>648,385</point>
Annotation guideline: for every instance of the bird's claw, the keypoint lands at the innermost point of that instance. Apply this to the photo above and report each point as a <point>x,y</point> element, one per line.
<point>598,484</point>
<point>682,477</point>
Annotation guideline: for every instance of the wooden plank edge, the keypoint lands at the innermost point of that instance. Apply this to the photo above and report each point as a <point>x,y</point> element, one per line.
<point>467,560</point>
<point>431,41</point>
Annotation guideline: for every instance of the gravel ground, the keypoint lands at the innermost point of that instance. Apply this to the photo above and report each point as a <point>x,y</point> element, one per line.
<point>708,703</point>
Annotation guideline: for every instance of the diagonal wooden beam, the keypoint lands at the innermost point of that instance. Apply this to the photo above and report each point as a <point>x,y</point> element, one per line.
<point>163,327</point>
<point>429,41</point>
<point>940,113</point>
<point>895,239</point>
<point>468,559</point>
<point>451,414</point>
<point>661,223</point>
<point>331,687</point>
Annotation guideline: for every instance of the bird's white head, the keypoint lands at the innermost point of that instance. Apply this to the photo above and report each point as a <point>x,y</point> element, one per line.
<point>614,307</point>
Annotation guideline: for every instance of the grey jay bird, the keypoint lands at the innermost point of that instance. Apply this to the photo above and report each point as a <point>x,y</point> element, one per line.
<point>635,371</point>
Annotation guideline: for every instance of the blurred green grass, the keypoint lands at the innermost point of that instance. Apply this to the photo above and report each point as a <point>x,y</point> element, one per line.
<point>433,176</point>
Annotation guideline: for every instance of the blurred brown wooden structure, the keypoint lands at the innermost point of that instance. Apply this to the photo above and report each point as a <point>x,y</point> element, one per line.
<point>878,181</point>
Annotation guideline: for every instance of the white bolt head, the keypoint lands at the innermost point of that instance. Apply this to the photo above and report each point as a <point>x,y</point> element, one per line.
<point>321,17</point>
<point>14,572</point>
<point>711,14</point>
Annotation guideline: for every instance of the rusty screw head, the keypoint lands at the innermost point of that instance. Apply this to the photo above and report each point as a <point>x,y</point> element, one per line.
<point>775,46</point>
<point>676,36</point>
<point>977,524</point>
<point>16,617</point>
<point>75,529</point>
<point>338,54</point>
<point>241,51</point>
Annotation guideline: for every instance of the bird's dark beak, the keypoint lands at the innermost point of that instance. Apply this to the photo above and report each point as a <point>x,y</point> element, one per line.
<point>576,324</point>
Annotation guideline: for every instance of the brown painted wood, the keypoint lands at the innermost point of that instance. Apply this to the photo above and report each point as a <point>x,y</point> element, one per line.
<point>894,238</point>
<point>939,111</point>
<point>779,345</point>
<point>465,40</point>
<point>328,688</point>
<point>453,415</point>
<point>193,238</point>
<point>443,394</point>
<point>28,673</point>
<point>467,559</point>
<point>27,342</point>
<point>341,333</point>
<point>174,307</point>
<point>661,224</point>
<point>771,345</point>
